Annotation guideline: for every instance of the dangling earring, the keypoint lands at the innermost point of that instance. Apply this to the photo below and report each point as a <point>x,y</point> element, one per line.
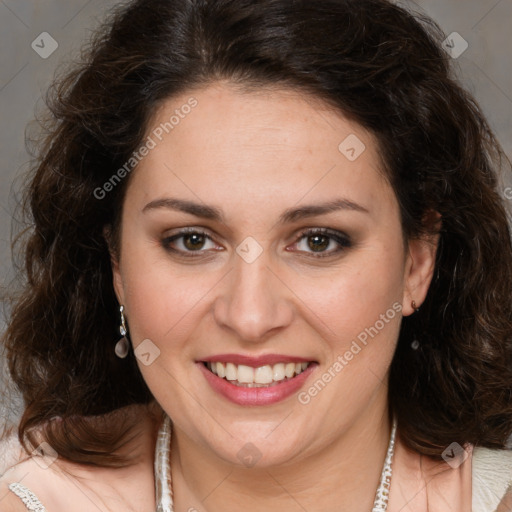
<point>415,343</point>
<point>123,345</point>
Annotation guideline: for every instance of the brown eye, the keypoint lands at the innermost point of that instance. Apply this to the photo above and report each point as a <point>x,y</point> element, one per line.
<point>322,242</point>
<point>318,242</point>
<point>189,241</point>
<point>194,241</point>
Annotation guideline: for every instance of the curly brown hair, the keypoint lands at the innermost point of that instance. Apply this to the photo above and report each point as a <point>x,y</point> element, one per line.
<point>377,64</point>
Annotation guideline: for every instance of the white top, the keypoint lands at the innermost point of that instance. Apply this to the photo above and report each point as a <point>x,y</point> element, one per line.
<point>491,477</point>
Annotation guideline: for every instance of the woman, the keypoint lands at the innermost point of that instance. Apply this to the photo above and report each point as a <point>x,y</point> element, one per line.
<point>290,212</point>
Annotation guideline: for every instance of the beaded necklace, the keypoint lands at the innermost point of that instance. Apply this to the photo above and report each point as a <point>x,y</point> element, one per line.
<point>163,484</point>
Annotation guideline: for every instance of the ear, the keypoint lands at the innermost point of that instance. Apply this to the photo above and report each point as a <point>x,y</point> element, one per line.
<point>420,264</point>
<point>114,261</point>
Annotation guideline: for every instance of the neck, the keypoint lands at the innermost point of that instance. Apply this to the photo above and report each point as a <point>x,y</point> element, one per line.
<point>344,475</point>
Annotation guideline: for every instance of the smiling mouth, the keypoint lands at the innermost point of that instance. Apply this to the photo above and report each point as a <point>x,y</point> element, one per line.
<point>260,377</point>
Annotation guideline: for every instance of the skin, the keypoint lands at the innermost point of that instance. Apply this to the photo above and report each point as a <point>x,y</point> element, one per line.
<point>252,155</point>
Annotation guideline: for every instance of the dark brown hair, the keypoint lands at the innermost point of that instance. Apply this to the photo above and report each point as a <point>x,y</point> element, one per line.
<point>374,62</point>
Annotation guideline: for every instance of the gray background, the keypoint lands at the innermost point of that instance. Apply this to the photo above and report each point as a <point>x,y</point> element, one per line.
<point>484,68</point>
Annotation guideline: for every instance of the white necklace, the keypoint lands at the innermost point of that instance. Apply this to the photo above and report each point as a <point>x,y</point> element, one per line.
<point>163,484</point>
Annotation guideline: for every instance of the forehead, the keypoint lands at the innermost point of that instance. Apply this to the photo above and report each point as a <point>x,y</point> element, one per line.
<point>237,147</point>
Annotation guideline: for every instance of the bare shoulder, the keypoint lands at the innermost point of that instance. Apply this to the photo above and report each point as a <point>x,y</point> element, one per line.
<point>54,486</point>
<point>12,457</point>
<point>29,482</point>
<point>9,502</point>
<point>55,482</point>
<point>45,484</point>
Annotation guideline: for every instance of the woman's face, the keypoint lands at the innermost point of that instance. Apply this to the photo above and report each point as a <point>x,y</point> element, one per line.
<point>293,253</point>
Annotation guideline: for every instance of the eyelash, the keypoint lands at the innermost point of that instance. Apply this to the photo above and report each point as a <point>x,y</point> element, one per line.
<point>340,238</point>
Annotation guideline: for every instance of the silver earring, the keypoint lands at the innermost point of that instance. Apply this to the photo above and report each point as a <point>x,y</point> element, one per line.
<point>123,345</point>
<point>415,343</point>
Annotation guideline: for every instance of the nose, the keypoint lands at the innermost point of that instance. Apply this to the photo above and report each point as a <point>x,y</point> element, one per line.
<point>253,302</point>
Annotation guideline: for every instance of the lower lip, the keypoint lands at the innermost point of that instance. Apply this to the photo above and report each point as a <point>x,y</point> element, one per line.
<point>256,396</point>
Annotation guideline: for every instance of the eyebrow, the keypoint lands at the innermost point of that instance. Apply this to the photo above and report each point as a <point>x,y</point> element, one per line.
<point>290,215</point>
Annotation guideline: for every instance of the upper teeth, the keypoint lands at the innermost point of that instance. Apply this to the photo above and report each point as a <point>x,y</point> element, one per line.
<point>261,375</point>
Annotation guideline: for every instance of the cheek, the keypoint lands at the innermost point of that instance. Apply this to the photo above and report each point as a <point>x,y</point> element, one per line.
<point>354,296</point>
<point>358,315</point>
<point>162,300</point>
